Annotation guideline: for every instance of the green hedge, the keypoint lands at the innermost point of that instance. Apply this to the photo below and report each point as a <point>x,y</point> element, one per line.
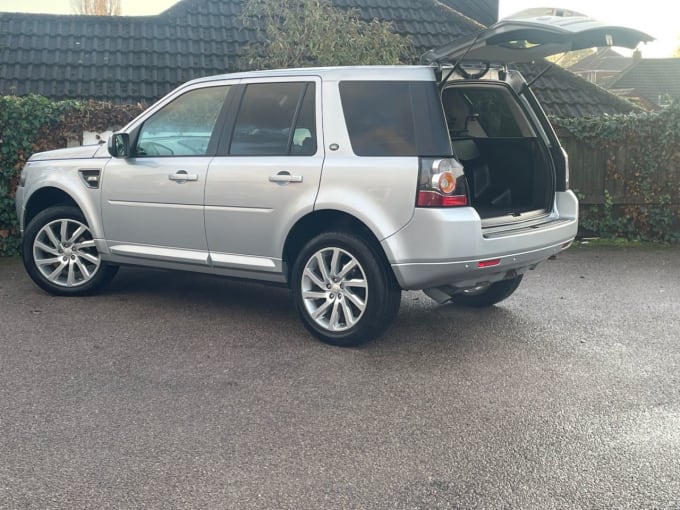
<point>21,122</point>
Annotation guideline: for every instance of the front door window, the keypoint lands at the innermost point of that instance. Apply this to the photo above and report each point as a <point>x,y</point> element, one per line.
<point>183,127</point>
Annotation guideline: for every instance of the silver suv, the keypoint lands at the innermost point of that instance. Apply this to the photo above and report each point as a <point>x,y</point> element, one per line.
<point>346,184</point>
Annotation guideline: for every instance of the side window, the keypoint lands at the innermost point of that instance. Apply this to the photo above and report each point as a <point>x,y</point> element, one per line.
<point>379,118</point>
<point>185,126</point>
<point>394,118</point>
<point>275,119</point>
<point>304,136</point>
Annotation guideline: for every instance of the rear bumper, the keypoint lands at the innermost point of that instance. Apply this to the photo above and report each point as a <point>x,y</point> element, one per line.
<point>467,274</point>
<point>442,247</point>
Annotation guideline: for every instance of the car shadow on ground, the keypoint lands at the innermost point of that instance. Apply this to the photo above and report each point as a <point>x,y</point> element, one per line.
<point>420,320</point>
<point>182,288</point>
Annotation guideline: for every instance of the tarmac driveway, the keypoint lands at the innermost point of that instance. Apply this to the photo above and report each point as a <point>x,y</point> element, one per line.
<point>179,391</point>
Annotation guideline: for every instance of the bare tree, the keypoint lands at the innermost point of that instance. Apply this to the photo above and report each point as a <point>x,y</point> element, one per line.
<point>97,7</point>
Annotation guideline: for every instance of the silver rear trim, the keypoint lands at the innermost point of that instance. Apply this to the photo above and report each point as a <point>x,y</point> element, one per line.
<point>553,223</point>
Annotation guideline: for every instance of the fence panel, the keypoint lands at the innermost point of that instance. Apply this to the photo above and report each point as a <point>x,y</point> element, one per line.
<point>591,174</point>
<point>587,168</point>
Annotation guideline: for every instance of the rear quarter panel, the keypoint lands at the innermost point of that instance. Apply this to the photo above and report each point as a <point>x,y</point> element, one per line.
<point>379,191</point>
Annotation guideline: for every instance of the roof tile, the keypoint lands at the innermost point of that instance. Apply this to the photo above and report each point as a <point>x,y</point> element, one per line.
<point>133,59</point>
<point>655,79</point>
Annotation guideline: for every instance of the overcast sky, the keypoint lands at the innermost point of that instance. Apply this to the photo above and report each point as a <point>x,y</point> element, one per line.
<point>659,18</point>
<point>130,7</point>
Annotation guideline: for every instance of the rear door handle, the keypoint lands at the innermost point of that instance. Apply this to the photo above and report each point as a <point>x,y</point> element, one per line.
<point>182,176</point>
<point>285,177</point>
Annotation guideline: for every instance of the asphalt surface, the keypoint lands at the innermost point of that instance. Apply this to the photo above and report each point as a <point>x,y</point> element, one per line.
<point>172,390</point>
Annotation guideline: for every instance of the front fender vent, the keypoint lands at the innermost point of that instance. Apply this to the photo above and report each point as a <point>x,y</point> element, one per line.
<point>90,177</point>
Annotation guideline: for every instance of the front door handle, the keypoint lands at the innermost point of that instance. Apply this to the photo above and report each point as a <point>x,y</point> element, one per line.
<point>182,176</point>
<point>285,177</point>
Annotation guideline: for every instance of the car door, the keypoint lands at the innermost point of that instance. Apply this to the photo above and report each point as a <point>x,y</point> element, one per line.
<point>152,202</point>
<point>266,174</point>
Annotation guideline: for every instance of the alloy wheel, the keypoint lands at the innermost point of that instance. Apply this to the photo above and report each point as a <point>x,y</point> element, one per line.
<point>334,289</point>
<point>65,254</point>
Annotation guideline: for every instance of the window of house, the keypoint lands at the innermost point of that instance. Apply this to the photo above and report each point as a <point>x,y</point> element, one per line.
<point>275,119</point>
<point>183,127</point>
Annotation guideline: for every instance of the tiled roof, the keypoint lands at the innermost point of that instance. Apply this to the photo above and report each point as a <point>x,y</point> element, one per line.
<point>140,59</point>
<point>483,11</point>
<point>128,59</point>
<point>124,59</point>
<point>604,59</point>
<point>654,79</point>
<point>564,94</point>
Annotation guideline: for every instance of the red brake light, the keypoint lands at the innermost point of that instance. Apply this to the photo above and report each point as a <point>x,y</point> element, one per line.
<point>441,183</point>
<point>434,199</point>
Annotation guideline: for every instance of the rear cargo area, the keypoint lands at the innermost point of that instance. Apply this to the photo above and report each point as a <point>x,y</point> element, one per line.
<point>508,169</point>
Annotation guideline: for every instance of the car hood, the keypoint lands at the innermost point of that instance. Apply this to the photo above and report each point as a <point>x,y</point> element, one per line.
<point>84,152</point>
<point>527,39</point>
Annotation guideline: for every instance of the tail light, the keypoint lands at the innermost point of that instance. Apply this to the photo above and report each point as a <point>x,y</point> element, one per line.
<point>441,183</point>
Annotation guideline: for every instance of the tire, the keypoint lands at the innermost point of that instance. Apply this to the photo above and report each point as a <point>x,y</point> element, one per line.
<point>490,295</point>
<point>60,255</point>
<point>343,291</point>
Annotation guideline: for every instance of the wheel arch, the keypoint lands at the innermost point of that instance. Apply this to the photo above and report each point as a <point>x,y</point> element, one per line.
<point>327,220</point>
<point>53,193</point>
<point>43,198</point>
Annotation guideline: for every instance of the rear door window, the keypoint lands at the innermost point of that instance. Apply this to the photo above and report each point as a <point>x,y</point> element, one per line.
<point>275,119</point>
<point>394,118</point>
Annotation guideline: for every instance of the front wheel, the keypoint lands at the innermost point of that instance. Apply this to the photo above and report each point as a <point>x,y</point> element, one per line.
<point>487,295</point>
<point>60,255</point>
<point>343,292</point>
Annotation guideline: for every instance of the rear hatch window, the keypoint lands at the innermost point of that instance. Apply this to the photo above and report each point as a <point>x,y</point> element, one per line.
<point>395,118</point>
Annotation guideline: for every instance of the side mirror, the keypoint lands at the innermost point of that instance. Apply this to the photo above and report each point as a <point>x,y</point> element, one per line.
<point>119,145</point>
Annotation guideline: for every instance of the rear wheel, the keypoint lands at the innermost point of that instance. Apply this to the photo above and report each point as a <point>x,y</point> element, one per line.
<point>487,295</point>
<point>60,255</point>
<point>343,291</point>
